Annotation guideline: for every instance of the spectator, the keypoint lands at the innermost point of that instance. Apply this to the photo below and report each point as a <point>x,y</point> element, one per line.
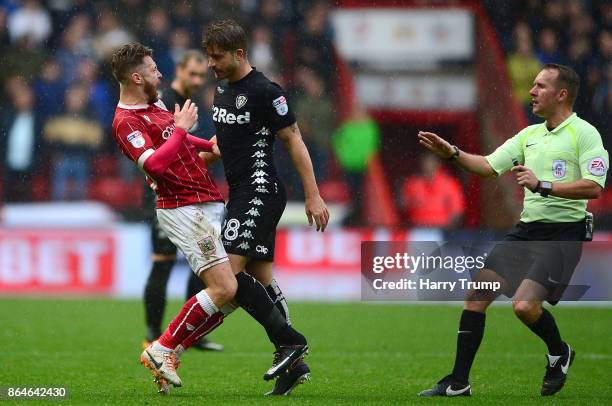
<point>73,138</point>
<point>49,88</point>
<point>75,46</point>
<point>158,38</point>
<point>355,142</point>
<point>315,49</point>
<point>548,51</point>
<point>100,96</point>
<point>523,66</point>
<point>180,42</point>
<point>314,110</point>
<point>31,20</point>
<point>23,59</point>
<point>19,132</point>
<point>261,51</point>
<point>433,198</point>
<point>110,35</point>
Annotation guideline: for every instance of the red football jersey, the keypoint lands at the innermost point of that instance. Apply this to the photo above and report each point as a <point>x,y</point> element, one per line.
<point>139,130</point>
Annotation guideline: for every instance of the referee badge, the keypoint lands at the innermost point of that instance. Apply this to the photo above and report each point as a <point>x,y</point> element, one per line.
<point>207,245</point>
<point>559,167</point>
<point>241,100</point>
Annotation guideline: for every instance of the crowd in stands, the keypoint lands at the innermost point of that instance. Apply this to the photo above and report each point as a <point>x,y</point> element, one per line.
<point>58,95</point>
<point>577,33</point>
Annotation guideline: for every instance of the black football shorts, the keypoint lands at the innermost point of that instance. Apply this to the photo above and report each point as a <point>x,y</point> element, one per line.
<point>250,224</point>
<point>546,253</point>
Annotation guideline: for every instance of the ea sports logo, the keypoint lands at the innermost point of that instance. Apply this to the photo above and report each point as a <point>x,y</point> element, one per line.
<point>597,167</point>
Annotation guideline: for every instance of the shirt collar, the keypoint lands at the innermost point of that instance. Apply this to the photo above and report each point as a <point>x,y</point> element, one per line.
<point>132,106</point>
<point>558,128</point>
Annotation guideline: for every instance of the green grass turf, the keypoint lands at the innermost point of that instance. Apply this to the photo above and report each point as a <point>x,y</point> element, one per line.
<point>360,354</point>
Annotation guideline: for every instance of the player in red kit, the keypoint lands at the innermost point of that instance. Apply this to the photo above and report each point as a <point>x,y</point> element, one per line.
<point>190,210</point>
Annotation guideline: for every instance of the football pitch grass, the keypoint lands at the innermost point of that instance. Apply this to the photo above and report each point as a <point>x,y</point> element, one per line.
<point>360,354</point>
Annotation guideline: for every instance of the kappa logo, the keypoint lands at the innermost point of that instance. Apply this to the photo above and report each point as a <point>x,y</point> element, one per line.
<point>280,104</point>
<point>265,131</point>
<point>258,154</point>
<point>241,100</point>
<point>259,164</point>
<point>253,212</point>
<point>262,189</point>
<point>597,166</point>
<point>259,181</point>
<point>256,201</point>
<point>247,234</point>
<point>261,144</point>
<point>261,249</point>
<point>249,223</point>
<point>136,139</point>
<point>258,174</point>
<point>244,246</point>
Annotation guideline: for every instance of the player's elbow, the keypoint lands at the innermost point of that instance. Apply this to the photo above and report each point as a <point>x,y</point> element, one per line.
<point>154,168</point>
<point>595,192</point>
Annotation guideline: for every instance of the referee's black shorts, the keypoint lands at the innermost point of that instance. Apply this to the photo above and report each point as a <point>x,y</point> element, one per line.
<point>159,240</point>
<point>546,253</point>
<point>250,224</point>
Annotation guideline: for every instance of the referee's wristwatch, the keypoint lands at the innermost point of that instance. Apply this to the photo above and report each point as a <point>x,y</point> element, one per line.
<point>543,188</point>
<point>455,154</point>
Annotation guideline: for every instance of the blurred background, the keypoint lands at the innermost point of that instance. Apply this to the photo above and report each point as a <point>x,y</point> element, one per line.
<point>363,77</point>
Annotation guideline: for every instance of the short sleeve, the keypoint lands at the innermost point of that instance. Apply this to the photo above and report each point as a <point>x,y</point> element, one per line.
<point>501,160</point>
<point>593,158</point>
<point>277,110</point>
<point>132,137</point>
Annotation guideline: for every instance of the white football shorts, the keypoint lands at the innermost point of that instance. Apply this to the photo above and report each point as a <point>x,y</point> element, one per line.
<point>196,231</point>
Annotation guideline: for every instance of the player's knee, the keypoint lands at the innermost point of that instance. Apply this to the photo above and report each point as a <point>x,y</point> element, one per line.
<point>226,291</point>
<point>525,309</point>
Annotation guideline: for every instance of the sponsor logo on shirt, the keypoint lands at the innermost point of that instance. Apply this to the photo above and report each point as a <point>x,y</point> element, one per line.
<point>280,104</point>
<point>168,131</point>
<point>136,139</point>
<point>220,115</point>
<point>597,167</point>
<point>558,168</point>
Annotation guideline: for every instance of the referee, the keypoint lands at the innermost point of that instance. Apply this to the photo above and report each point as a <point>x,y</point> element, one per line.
<point>561,163</point>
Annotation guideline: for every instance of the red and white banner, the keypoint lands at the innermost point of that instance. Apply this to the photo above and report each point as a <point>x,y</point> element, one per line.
<point>324,266</point>
<point>57,261</point>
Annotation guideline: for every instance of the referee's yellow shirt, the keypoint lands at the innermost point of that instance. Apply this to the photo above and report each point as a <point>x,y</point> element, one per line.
<point>570,152</point>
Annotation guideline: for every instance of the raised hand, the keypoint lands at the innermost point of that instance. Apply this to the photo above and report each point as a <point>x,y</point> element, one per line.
<point>187,116</point>
<point>435,144</point>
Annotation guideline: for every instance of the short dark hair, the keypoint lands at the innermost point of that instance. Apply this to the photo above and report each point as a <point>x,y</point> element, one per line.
<point>191,54</point>
<point>227,35</point>
<point>126,58</point>
<point>567,78</point>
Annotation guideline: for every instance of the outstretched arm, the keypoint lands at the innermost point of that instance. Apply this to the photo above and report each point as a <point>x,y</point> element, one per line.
<point>476,164</point>
<point>315,206</point>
